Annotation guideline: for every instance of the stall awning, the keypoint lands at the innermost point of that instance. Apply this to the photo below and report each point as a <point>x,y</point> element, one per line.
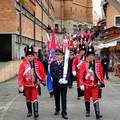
<point>107,45</point>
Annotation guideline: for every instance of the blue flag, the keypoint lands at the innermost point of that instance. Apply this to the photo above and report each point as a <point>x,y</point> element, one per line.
<point>49,81</point>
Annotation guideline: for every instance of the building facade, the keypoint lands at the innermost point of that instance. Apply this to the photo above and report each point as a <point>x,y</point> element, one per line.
<point>110,37</point>
<point>111,10</point>
<point>70,15</point>
<point>23,22</point>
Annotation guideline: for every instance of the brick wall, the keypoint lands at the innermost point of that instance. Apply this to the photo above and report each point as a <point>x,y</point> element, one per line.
<point>74,9</point>
<point>111,13</point>
<point>27,27</point>
<point>7,16</point>
<point>45,19</point>
<point>38,33</point>
<point>38,11</point>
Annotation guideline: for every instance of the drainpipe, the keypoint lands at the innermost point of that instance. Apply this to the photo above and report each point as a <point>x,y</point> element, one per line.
<point>34,30</point>
<point>20,32</point>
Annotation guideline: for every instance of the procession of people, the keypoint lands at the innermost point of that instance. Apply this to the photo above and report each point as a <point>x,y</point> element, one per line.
<point>65,68</point>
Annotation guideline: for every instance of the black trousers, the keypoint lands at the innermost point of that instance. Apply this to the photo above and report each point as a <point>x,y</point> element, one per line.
<point>80,93</point>
<point>61,93</point>
<point>105,72</point>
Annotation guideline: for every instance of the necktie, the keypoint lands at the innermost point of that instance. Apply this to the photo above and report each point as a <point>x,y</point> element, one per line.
<point>90,65</point>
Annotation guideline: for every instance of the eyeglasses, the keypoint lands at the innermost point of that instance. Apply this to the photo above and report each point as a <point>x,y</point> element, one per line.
<point>58,54</point>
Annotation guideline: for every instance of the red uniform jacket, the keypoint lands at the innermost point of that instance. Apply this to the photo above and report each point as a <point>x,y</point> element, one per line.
<point>26,75</point>
<point>75,62</point>
<point>87,77</point>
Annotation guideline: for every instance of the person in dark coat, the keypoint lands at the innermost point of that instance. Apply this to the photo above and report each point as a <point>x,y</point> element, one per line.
<point>45,63</point>
<point>71,78</point>
<point>59,84</point>
<point>105,64</point>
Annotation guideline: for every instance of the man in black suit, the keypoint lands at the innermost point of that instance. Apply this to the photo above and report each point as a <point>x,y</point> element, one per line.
<point>59,84</point>
<point>105,64</point>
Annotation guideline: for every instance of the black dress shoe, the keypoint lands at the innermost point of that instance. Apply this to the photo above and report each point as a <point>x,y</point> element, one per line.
<point>87,114</point>
<point>99,118</point>
<point>29,114</point>
<point>64,116</point>
<point>56,113</point>
<point>78,98</point>
<point>36,115</point>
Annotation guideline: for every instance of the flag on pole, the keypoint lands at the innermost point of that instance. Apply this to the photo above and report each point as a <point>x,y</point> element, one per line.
<point>53,43</point>
<point>64,43</point>
<point>49,81</point>
<point>51,57</point>
<point>70,43</point>
<point>47,42</point>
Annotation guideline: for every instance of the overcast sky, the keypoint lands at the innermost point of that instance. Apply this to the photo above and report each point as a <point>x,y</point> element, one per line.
<point>97,6</point>
<point>97,11</point>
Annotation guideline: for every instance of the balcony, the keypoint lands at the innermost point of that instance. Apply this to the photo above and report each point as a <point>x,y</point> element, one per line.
<point>111,33</point>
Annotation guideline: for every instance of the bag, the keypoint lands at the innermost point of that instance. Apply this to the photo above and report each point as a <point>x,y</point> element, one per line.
<point>39,90</point>
<point>100,93</point>
<point>80,92</point>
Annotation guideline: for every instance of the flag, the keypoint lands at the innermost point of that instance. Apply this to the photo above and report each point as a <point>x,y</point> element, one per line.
<point>47,45</point>
<point>47,42</point>
<point>53,43</point>
<point>71,43</point>
<point>56,44</point>
<point>64,43</point>
<point>49,81</point>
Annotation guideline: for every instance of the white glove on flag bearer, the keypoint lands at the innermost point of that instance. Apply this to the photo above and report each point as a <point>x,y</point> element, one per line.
<point>60,81</point>
<point>63,81</point>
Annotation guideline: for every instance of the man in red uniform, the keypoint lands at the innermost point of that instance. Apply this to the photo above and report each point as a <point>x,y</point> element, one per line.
<point>78,59</point>
<point>31,73</point>
<point>90,79</point>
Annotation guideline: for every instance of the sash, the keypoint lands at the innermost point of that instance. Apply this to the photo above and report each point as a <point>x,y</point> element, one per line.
<point>78,65</point>
<point>29,68</point>
<point>81,61</point>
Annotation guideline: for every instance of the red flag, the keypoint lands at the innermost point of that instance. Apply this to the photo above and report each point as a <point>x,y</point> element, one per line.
<point>47,42</point>
<point>48,45</point>
<point>70,43</point>
<point>57,47</point>
<point>64,43</point>
<point>53,43</point>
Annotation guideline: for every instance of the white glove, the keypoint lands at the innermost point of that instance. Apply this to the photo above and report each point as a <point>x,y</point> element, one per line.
<point>60,80</point>
<point>74,73</point>
<point>82,87</point>
<point>21,89</point>
<point>64,81</point>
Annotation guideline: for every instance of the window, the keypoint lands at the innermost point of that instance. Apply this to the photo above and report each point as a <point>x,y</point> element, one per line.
<point>56,27</point>
<point>117,21</point>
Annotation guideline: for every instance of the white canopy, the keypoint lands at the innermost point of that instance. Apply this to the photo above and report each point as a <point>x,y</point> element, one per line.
<point>106,45</point>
